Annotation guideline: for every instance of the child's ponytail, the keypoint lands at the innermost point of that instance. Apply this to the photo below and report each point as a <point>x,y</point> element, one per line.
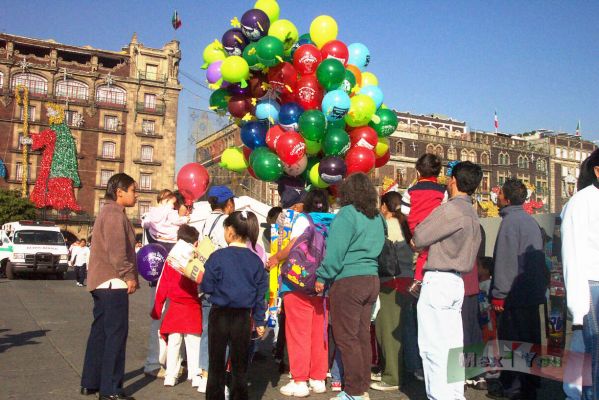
<point>245,224</point>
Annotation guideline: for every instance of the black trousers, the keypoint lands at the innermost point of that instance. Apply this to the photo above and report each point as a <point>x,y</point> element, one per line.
<point>521,324</point>
<point>81,273</point>
<point>472,332</point>
<point>228,327</point>
<point>104,363</point>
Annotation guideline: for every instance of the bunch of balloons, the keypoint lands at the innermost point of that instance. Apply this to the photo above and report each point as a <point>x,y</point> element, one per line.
<point>306,104</point>
<point>192,182</point>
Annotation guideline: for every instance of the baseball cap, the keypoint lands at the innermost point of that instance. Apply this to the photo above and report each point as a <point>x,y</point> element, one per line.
<point>291,191</point>
<point>222,193</point>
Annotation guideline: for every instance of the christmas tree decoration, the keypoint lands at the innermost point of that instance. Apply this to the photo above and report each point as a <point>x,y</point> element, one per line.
<point>24,101</point>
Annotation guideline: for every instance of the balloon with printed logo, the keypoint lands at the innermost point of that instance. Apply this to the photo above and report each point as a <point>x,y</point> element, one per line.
<point>290,147</point>
<point>308,93</point>
<point>257,85</point>
<point>235,69</point>
<point>356,72</point>
<point>312,125</point>
<point>283,78</point>
<point>323,29</point>
<point>219,100</point>
<point>382,160</point>
<point>253,134</point>
<point>335,142</point>
<point>285,31</point>
<point>250,55</point>
<point>270,7</point>
<point>374,92</point>
<point>270,51</point>
<point>381,147</point>
<point>332,169</point>
<point>369,79</point>
<point>239,106</point>
<point>233,160</point>
<point>213,73</point>
<point>267,111</point>
<point>315,178</point>
<point>303,39</point>
<point>349,82</point>
<point>192,181</point>
<point>359,159</point>
<point>387,122</point>
<point>330,73</point>
<point>213,52</point>
<point>255,24</point>
<point>361,110</point>
<point>289,115</point>
<point>296,169</point>
<point>335,49</point>
<point>234,41</point>
<point>306,58</point>
<point>335,105</point>
<point>150,261</point>
<point>359,55</point>
<point>313,147</point>
<point>272,136</point>
<point>364,136</point>
<point>267,166</point>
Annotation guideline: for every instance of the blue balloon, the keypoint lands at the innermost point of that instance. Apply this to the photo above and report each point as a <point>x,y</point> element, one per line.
<point>359,55</point>
<point>150,261</point>
<point>374,92</point>
<point>335,105</point>
<point>268,111</point>
<point>253,134</point>
<point>289,114</point>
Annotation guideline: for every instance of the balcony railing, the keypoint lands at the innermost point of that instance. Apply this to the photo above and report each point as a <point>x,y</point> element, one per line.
<point>155,109</point>
<point>151,76</point>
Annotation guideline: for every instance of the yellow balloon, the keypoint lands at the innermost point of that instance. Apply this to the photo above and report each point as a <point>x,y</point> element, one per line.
<point>361,110</point>
<point>323,29</point>
<point>315,177</point>
<point>213,52</point>
<point>235,69</point>
<point>233,160</point>
<point>381,147</point>
<point>285,31</point>
<point>368,79</point>
<point>270,7</point>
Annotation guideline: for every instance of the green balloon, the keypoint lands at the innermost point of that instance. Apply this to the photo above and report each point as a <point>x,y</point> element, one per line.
<point>270,51</point>
<point>267,166</point>
<point>258,151</point>
<point>330,73</point>
<point>219,99</point>
<point>312,147</point>
<point>303,39</point>
<point>338,123</point>
<point>336,142</point>
<point>312,161</point>
<point>312,125</point>
<point>250,54</point>
<point>387,122</point>
<point>348,82</point>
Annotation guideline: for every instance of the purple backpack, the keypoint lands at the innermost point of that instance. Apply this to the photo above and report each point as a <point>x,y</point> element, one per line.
<point>299,270</point>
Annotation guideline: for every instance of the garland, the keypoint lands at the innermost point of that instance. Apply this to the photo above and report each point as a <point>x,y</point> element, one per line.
<point>25,102</point>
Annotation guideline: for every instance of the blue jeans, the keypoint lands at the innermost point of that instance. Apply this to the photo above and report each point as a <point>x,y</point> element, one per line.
<point>206,306</point>
<point>571,389</point>
<point>591,336</point>
<point>411,352</point>
<point>337,367</point>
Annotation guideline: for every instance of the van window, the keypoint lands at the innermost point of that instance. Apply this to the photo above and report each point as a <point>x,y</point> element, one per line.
<point>38,237</point>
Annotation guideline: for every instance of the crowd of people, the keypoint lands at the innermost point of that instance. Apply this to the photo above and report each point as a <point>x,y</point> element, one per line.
<point>356,324</point>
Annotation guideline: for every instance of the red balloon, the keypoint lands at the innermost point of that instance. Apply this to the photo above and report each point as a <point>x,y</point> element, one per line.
<point>308,93</point>
<point>291,147</point>
<point>273,135</point>
<point>306,58</point>
<point>255,84</point>
<point>364,136</point>
<point>246,153</point>
<point>283,78</point>
<point>359,159</point>
<point>252,173</point>
<point>335,49</point>
<point>382,160</point>
<point>239,106</point>
<point>192,181</point>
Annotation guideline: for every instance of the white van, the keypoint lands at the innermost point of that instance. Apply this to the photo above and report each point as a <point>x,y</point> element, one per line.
<point>33,246</point>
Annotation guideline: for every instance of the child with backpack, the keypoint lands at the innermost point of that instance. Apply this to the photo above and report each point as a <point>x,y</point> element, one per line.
<point>236,281</point>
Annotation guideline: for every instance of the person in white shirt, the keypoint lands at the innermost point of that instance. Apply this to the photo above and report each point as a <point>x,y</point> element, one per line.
<point>79,260</point>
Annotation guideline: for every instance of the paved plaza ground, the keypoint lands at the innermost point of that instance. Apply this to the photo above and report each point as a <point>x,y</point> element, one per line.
<point>43,330</point>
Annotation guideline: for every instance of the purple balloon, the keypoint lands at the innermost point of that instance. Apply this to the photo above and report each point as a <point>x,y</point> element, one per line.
<point>255,24</point>
<point>332,169</point>
<point>150,261</point>
<point>237,90</point>
<point>234,42</point>
<point>213,73</point>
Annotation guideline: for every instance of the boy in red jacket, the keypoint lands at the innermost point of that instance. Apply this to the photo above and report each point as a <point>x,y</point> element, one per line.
<point>183,318</point>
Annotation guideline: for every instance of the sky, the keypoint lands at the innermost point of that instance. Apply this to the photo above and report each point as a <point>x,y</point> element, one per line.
<point>534,62</point>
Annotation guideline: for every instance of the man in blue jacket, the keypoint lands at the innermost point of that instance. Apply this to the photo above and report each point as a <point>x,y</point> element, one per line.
<point>518,286</point>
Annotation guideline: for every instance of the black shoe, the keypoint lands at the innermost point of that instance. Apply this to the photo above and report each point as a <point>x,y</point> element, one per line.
<point>116,397</point>
<point>87,391</point>
<point>497,395</point>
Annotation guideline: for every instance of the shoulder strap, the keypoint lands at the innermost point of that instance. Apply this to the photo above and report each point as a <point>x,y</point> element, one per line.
<point>214,224</point>
<point>385,226</point>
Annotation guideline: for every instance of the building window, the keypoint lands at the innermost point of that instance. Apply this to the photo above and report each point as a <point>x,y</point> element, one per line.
<point>109,150</point>
<point>399,149</point>
<point>105,175</point>
<point>541,165</point>
<point>19,171</point>
<point>151,72</point>
<point>145,181</point>
<point>452,153</point>
<point>501,178</point>
<point>72,89</point>
<point>523,162</point>
<point>485,183</point>
<point>35,83</point>
<point>31,113</point>
<point>484,159</point>
<point>464,155</point>
<point>71,118</point>
<point>111,123</point>
<point>430,149</point>
<point>440,152</point>
<point>150,101</point>
<point>147,153</point>
<point>144,208</point>
<point>148,127</point>
<point>111,95</point>
<point>558,152</point>
<point>472,156</point>
<point>504,159</point>
<point>1,80</point>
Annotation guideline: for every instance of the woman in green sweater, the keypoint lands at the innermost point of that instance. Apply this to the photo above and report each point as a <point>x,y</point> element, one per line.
<point>350,268</point>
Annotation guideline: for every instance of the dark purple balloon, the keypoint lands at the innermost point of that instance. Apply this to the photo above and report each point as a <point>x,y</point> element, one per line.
<point>150,261</point>
<point>236,90</point>
<point>332,169</point>
<point>255,24</point>
<point>234,41</point>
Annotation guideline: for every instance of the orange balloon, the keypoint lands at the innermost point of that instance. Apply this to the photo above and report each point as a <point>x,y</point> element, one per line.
<point>357,74</point>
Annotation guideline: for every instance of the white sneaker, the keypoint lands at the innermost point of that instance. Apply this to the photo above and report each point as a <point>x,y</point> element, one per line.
<point>196,380</point>
<point>296,389</point>
<point>227,393</point>
<point>170,381</point>
<point>318,386</point>
<point>203,381</point>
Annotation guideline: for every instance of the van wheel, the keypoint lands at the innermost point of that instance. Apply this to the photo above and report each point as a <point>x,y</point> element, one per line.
<point>10,274</point>
<point>3,268</point>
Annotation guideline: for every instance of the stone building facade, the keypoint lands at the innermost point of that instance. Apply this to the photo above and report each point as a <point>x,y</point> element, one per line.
<point>121,107</point>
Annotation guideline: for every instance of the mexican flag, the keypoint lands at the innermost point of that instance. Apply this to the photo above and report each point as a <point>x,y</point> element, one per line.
<point>578,128</point>
<point>176,21</point>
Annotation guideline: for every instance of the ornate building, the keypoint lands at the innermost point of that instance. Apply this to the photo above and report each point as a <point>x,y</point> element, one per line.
<point>121,107</point>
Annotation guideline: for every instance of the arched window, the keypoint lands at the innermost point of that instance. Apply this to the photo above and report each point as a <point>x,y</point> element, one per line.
<point>147,153</point>
<point>399,149</point>
<point>439,151</point>
<point>452,153</point>
<point>72,89</point>
<point>525,163</point>
<point>464,155</point>
<point>522,161</point>
<point>541,165</point>
<point>415,127</point>
<point>504,159</point>
<point>472,157</point>
<point>484,159</point>
<point>36,84</point>
<point>108,150</point>
<point>430,149</point>
<point>111,95</point>
<point>443,132</point>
